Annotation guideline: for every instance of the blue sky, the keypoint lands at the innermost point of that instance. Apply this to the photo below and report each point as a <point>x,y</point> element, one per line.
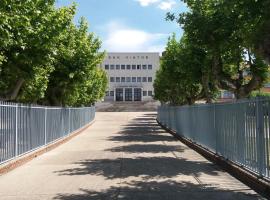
<point>129,25</point>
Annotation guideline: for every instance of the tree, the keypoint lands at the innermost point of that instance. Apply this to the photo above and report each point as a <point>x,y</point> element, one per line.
<point>77,79</point>
<point>224,31</point>
<point>178,79</point>
<point>29,32</point>
<point>45,58</point>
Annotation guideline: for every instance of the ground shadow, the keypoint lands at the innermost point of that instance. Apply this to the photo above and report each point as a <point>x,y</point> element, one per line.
<point>162,167</point>
<point>164,190</point>
<point>149,148</point>
<point>143,129</point>
<point>153,173</point>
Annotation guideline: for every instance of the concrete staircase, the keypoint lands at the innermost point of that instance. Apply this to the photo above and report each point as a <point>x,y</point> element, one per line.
<point>127,106</point>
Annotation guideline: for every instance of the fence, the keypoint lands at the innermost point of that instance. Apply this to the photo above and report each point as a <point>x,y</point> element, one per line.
<point>24,128</point>
<point>237,131</point>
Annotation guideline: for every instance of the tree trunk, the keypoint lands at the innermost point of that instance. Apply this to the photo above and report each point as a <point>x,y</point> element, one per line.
<point>263,46</point>
<point>206,89</point>
<point>53,97</point>
<point>17,89</point>
<point>13,94</point>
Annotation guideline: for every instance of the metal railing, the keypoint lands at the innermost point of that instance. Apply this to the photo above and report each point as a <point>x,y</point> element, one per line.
<point>238,131</point>
<point>24,128</point>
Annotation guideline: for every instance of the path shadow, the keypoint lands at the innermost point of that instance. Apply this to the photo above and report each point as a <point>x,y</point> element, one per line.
<point>156,190</point>
<point>149,148</point>
<point>159,167</point>
<point>154,175</point>
<point>142,129</point>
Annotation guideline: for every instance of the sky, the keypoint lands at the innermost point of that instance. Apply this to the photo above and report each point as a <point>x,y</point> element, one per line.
<point>129,25</point>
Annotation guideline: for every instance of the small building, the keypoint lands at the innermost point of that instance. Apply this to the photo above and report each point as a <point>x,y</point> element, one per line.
<point>131,76</point>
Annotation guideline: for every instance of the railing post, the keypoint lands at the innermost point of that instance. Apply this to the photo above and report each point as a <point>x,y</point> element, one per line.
<point>69,131</point>
<point>45,125</point>
<point>215,129</point>
<point>260,136</point>
<point>16,131</point>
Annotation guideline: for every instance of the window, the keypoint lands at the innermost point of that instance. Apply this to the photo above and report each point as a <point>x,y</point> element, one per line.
<point>113,57</point>
<point>123,79</point>
<point>133,66</point>
<point>142,57</point>
<point>144,79</point>
<point>139,79</point>
<point>144,66</point>
<point>150,93</point>
<point>138,66</point>
<point>117,67</point>
<point>146,57</point>
<point>107,93</point>
<point>128,67</point>
<point>107,67</point>
<point>112,79</point>
<point>150,79</point>
<point>118,57</point>
<point>123,67</point>
<point>118,79</point>
<point>150,67</point>
<point>112,93</point>
<point>128,79</point>
<point>144,93</point>
<point>112,67</point>
<point>134,79</point>
<point>110,57</point>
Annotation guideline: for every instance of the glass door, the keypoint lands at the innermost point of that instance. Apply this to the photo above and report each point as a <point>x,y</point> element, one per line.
<point>119,94</point>
<point>137,94</point>
<point>128,94</point>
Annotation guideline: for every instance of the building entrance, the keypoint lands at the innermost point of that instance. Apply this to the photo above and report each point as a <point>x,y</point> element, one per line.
<point>128,94</point>
<point>119,94</point>
<point>137,94</point>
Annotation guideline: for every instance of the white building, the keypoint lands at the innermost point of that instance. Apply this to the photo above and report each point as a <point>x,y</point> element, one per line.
<point>131,76</point>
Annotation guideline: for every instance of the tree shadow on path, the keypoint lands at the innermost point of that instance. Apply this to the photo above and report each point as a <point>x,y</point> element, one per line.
<point>148,168</point>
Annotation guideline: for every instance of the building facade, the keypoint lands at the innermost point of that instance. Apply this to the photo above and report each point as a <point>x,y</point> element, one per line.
<point>131,76</point>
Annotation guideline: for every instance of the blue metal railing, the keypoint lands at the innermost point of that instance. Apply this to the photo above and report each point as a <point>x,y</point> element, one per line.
<point>238,131</point>
<point>24,128</point>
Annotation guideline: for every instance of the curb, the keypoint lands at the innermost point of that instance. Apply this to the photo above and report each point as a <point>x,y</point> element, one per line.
<point>21,160</point>
<point>258,184</point>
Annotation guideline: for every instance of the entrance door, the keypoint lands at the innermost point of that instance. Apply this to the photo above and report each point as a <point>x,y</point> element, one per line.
<point>119,94</point>
<point>137,94</point>
<point>128,94</point>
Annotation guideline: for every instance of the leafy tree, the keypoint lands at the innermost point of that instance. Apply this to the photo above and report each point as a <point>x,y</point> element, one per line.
<point>178,79</point>
<point>77,79</point>
<point>29,34</point>
<point>225,32</point>
<point>45,58</point>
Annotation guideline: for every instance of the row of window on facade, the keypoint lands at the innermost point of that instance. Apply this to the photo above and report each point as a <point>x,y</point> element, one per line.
<point>145,93</point>
<point>128,67</point>
<point>128,57</point>
<point>131,79</point>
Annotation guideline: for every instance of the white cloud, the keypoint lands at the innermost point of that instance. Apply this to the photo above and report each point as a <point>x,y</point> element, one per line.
<point>166,5</point>
<point>147,2</point>
<point>121,38</point>
<point>163,5</point>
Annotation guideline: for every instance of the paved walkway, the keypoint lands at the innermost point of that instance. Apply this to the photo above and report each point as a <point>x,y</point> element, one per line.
<point>122,156</point>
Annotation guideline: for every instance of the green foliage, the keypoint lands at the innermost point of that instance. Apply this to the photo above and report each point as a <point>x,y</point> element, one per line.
<point>225,32</point>
<point>41,49</point>
<point>76,68</point>
<point>178,79</point>
<point>259,94</point>
<point>29,36</point>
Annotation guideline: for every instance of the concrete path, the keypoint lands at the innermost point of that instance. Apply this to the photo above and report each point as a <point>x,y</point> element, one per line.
<point>122,156</point>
